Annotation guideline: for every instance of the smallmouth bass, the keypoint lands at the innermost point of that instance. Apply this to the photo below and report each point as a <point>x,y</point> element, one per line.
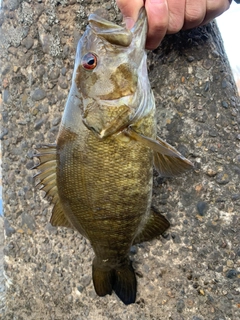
<point>98,175</point>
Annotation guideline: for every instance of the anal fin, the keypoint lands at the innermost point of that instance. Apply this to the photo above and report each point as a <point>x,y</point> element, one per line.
<point>155,226</point>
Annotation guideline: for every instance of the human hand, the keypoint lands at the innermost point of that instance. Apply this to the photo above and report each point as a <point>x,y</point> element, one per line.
<point>171,16</point>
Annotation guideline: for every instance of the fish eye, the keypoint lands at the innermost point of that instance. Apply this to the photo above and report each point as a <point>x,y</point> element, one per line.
<point>89,61</point>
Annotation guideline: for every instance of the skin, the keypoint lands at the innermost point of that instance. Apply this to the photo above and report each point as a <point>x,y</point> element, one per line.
<point>171,16</point>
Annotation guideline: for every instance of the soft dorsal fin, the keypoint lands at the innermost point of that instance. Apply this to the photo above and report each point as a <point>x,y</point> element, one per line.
<point>47,182</point>
<point>167,160</point>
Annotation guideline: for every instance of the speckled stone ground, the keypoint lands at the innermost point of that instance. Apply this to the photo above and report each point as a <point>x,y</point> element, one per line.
<point>2,278</point>
<point>193,272</point>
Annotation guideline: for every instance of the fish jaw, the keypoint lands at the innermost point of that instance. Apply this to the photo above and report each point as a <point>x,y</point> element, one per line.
<point>115,116</point>
<point>106,117</point>
<point>108,96</point>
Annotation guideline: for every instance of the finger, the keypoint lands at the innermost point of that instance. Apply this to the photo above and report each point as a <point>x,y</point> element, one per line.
<point>130,10</point>
<point>176,12</point>
<point>157,12</point>
<point>215,9</point>
<point>195,12</point>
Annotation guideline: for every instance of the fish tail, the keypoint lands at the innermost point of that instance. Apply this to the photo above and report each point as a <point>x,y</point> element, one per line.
<point>121,279</point>
<point>103,279</point>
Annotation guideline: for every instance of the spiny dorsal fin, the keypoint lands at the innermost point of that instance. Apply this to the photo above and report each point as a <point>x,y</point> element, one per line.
<point>167,160</point>
<point>47,182</point>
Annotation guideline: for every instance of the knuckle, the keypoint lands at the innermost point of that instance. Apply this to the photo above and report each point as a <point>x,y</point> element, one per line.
<point>218,6</point>
<point>174,25</point>
<point>194,14</point>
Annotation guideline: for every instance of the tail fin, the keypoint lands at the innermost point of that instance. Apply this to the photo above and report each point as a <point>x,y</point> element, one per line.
<point>125,284</point>
<point>122,280</point>
<point>102,279</point>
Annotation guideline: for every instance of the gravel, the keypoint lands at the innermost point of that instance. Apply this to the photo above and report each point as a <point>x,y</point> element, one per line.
<point>193,271</point>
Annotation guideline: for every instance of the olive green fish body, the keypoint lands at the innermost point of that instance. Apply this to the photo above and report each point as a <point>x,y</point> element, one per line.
<point>105,188</point>
<point>99,173</point>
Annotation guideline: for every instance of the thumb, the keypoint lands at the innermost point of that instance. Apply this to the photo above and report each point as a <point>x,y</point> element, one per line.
<point>130,10</point>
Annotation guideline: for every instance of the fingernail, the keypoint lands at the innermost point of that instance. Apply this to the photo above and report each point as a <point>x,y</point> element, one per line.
<point>129,22</point>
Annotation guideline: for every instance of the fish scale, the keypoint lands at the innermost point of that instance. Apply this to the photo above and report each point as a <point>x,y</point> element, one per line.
<point>103,176</point>
<point>98,176</point>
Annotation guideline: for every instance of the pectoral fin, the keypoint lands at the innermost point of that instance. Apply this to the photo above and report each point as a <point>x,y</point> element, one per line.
<point>155,226</point>
<point>47,182</point>
<point>167,160</point>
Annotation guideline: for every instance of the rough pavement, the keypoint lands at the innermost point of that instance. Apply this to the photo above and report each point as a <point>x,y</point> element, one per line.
<point>193,272</point>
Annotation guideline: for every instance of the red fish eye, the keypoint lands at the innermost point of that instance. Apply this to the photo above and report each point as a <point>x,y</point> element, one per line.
<point>89,61</point>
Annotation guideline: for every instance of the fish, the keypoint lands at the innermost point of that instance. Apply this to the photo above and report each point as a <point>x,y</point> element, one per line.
<point>99,174</point>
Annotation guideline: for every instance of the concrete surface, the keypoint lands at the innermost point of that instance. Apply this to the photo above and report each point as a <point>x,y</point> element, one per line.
<point>193,272</point>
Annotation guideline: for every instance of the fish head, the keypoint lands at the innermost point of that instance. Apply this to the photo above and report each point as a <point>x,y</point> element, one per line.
<point>106,75</point>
